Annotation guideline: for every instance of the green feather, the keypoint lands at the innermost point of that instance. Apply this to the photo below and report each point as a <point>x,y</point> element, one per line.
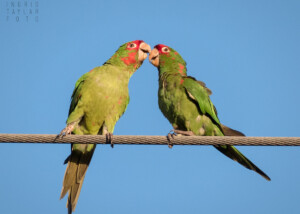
<point>185,102</point>
<point>199,94</point>
<point>98,101</point>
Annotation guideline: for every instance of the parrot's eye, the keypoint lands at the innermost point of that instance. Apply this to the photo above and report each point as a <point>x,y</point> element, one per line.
<point>165,50</point>
<point>132,45</point>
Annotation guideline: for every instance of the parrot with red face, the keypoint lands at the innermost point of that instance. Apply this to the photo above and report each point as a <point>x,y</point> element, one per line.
<point>185,102</point>
<point>98,101</point>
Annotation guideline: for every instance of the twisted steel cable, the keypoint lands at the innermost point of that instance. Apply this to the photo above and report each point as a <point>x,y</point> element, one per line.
<point>151,140</point>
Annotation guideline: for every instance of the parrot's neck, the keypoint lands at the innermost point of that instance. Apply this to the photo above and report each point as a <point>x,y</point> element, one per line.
<point>175,68</point>
<point>116,60</point>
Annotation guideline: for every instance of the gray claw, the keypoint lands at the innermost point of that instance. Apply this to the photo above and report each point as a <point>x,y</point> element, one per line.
<point>170,138</point>
<point>66,131</point>
<point>109,139</point>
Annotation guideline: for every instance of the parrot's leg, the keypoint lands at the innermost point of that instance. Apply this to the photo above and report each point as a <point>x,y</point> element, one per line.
<point>109,139</point>
<point>185,133</point>
<point>176,132</point>
<point>108,132</point>
<point>68,130</point>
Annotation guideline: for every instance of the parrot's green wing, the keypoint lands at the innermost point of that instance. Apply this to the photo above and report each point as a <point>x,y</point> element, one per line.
<point>76,92</point>
<point>197,91</point>
<point>78,162</point>
<point>209,92</point>
<point>226,130</point>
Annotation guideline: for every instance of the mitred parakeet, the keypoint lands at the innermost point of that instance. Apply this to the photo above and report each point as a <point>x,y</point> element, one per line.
<point>98,101</point>
<point>185,102</point>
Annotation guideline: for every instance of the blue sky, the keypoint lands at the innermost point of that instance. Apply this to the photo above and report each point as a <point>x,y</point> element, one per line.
<point>248,54</point>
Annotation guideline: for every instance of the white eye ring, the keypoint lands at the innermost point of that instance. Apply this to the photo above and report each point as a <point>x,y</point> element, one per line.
<point>165,50</point>
<point>132,45</point>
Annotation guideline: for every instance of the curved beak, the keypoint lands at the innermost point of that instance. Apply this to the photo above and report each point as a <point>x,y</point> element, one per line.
<point>143,50</point>
<point>154,57</point>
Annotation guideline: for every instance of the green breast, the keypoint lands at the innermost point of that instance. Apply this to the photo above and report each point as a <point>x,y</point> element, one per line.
<point>104,98</point>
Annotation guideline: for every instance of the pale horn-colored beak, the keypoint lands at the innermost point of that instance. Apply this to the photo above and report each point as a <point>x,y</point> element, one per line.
<point>154,57</point>
<point>143,50</point>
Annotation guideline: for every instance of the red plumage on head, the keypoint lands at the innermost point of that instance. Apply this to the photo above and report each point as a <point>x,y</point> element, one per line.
<point>131,57</point>
<point>159,47</point>
<point>137,42</point>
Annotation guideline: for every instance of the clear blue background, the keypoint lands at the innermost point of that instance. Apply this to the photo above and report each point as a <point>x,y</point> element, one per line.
<point>248,54</point>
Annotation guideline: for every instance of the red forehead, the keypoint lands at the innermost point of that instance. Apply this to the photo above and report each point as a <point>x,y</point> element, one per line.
<point>159,47</point>
<point>137,42</point>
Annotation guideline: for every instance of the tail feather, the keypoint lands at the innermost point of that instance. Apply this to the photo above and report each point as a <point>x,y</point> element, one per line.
<point>78,163</point>
<point>67,159</point>
<point>230,132</point>
<point>83,165</point>
<point>236,155</point>
<point>74,195</point>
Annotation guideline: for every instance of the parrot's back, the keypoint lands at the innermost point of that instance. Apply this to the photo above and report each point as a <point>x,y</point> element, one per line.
<point>180,110</point>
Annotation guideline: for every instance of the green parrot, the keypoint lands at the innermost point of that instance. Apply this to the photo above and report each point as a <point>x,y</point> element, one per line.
<point>98,101</point>
<point>185,102</point>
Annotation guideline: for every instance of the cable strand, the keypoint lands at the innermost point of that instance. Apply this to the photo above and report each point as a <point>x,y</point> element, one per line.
<point>151,140</point>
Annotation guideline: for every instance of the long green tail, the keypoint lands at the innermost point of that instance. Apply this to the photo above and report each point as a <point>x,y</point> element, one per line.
<point>236,155</point>
<point>78,163</point>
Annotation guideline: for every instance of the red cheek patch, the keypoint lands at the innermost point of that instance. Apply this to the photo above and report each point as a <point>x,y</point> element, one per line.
<point>130,59</point>
<point>181,68</point>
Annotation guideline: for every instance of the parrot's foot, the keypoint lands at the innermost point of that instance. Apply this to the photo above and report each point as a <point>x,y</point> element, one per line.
<point>66,131</point>
<point>170,138</point>
<point>171,135</point>
<point>109,139</point>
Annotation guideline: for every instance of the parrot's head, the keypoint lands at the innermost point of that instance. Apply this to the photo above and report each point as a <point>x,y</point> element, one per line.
<point>166,59</point>
<point>131,54</point>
